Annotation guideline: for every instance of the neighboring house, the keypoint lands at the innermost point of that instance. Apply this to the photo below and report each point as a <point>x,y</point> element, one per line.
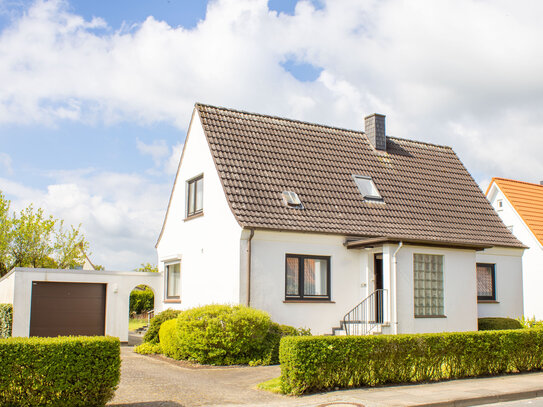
<point>309,222</point>
<point>520,205</point>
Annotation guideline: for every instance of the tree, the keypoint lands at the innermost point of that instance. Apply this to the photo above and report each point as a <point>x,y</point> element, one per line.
<point>147,267</point>
<point>32,239</point>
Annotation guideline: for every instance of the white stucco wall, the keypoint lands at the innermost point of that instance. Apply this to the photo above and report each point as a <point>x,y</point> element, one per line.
<point>119,286</point>
<point>208,246</point>
<point>508,279</point>
<point>532,259</point>
<point>7,284</point>
<point>348,271</point>
<point>460,291</point>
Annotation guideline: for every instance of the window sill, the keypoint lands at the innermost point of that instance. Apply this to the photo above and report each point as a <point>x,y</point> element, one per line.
<point>309,302</point>
<point>196,215</point>
<point>430,316</point>
<point>487,302</point>
<point>172,301</point>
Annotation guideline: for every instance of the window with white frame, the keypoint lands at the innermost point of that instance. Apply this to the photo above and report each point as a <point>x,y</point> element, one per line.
<point>428,283</point>
<point>173,281</point>
<point>195,196</point>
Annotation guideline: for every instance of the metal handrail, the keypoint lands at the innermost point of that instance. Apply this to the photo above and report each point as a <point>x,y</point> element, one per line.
<point>367,315</point>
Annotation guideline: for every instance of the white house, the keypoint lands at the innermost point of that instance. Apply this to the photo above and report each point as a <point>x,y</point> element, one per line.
<point>520,205</point>
<point>324,227</point>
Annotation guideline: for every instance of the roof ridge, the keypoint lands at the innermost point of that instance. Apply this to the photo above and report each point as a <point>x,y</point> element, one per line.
<point>197,104</point>
<point>421,142</point>
<point>515,180</point>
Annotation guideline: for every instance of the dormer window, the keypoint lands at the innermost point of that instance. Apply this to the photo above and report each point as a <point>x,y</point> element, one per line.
<point>367,188</point>
<point>291,199</point>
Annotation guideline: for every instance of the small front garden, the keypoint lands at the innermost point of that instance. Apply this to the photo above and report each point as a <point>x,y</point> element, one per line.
<point>217,335</point>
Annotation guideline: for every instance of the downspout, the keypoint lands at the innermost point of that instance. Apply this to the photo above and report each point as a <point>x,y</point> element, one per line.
<point>394,288</point>
<point>248,301</point>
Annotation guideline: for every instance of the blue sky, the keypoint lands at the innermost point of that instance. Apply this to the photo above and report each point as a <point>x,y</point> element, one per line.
<point>96,96</point>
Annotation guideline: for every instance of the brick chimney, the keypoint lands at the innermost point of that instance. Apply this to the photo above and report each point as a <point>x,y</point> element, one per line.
<point>374,127</point>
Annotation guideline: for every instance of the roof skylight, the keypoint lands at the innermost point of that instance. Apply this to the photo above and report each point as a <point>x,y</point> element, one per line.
<point>367,188</point>
<point>291,199</point>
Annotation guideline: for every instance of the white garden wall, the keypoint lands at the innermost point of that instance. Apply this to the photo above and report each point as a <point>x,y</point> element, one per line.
<point>7,284</point>
<point>207,246</point>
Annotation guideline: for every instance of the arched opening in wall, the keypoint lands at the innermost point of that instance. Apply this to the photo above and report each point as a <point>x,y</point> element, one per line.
<point>141,309</point>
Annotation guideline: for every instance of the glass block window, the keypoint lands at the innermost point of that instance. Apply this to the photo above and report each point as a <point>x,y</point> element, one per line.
<point>428,276</point>
<point>486,282</point>
<point>307,277</point>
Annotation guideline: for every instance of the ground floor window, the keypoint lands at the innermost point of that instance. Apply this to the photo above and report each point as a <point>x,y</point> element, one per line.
<point>428,276</point>
<point>173,281</point>
<point>486,281</point>
<point>307,277</point>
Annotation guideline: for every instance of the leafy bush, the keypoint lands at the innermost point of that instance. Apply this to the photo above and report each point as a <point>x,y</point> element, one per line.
<point>141,301</point>
<point>224,335</point>
<point>274,337</point>
<point>530,322</point>
<point>151,335</point>
<point>491,324</point>
<point>63,371</point>
<point>169,339</point>
<point>147,348</point>
<point>6,320</point>
<point>317,363</point>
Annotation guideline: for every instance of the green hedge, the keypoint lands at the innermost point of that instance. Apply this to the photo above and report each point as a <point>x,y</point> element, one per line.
<point>6,320</point>
<point>151,335</point>
<point>63,371</point>
<point>141,301</point>
<point>318,363</point>
<point>497,323</point>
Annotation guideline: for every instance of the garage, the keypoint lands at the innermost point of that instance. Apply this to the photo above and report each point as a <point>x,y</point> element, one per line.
<point>60,308</point>
<point>53,302</point>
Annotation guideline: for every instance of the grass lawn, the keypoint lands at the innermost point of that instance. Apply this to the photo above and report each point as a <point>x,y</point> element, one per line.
<point>135,323</point>
<point>272,385</point>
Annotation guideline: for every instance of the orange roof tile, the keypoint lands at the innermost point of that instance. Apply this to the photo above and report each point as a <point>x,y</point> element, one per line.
<point>527,199</point>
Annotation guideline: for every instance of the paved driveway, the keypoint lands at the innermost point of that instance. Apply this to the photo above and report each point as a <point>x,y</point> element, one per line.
<point>147,381</point>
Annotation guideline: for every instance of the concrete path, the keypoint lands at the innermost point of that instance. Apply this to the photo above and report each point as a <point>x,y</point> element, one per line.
<point>147,381</point>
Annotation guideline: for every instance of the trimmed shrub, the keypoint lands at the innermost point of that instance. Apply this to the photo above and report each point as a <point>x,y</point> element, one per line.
<point>141,301</point>
<point>63,371</point>
<point>311,364</point>
<point>491,324</point>
<point>169,339</point>
<point>6,320</point>
<point>147,348</point>
<point>224,335</point>
<point>275,334</point>
<point>151,335</point>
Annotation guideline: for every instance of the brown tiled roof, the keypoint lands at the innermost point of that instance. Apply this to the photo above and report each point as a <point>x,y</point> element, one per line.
<point>428,193</point>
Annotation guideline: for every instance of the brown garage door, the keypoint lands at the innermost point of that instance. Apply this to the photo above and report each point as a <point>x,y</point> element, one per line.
<point>67,309</point>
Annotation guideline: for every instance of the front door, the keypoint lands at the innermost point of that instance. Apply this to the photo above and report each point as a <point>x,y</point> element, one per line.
<point>378,285</point>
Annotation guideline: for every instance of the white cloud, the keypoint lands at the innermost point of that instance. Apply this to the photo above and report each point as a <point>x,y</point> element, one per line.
<point>6,164</point>
<point>465,73</point>
<point>120,222</point>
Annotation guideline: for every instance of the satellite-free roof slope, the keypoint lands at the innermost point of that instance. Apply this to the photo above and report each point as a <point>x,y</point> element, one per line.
<point>427,193</point>
<point>527,199</point>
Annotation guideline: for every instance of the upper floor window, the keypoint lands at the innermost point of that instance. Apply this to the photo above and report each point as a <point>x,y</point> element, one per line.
<point>195,196</point>
<point>173,281</point>
<point>486,281</point>
<point>428,276</point>
<point>307,277</point>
